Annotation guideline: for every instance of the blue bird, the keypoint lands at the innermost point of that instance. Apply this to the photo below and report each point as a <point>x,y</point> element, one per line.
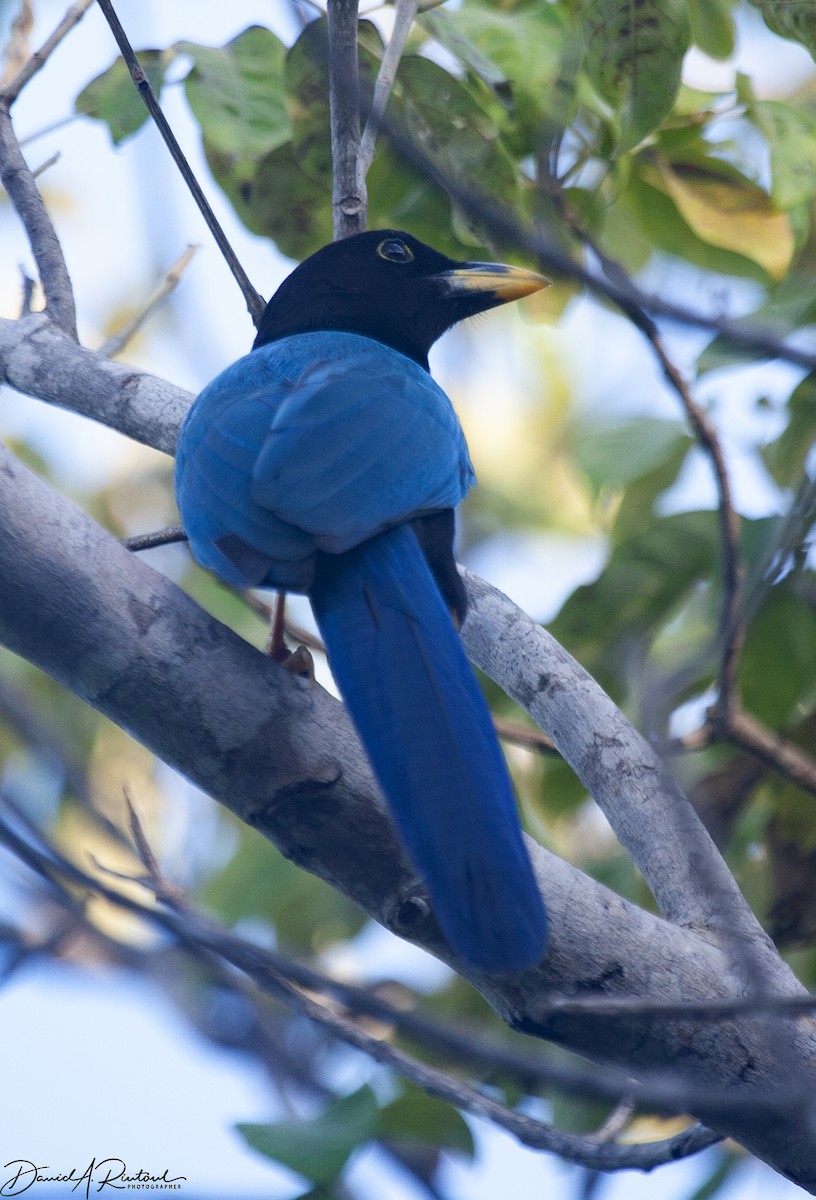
<point>328,461</point>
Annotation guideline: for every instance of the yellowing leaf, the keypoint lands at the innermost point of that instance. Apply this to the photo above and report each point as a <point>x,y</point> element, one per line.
<point>734,215</point>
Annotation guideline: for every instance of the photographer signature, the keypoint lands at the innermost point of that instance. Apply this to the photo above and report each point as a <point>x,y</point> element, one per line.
<point>104,1173</point>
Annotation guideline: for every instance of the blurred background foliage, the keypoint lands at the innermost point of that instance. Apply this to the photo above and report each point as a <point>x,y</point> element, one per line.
<point>575,113</point>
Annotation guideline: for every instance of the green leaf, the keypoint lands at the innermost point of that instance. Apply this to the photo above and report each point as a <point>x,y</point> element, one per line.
<point>791,135</point>
<point>416,1117</point>
<point>789,306</point>
<point>712,26</point>
<point>113,97</point>
<point>236,93</point>
<point>634,56</point>
<point>259,882</point>
<point>319,1148</point>
<point>275,199</point>
<point>778,664</point>
<point>526,55</point>
<point>786,457</point>
<point>644,585</point>
<point>445,27</point>
<point>620,453</point>
<point>794,19</point>
<point>438,112</point>
<point>657,215</point>
<point>307,91</point>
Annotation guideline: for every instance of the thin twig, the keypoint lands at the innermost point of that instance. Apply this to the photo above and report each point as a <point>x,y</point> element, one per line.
<point>405,12</point>
<point>254,301</point>
<point>29,285</point>
<point>45,166</point>
<point>663,1090</point>
<point>349,200</point>
<point>42,238</point>
<point>18,47</point>
<point>617,1121</point>
<point>742,729</point>
<point>40,57</point>
<point>115,344</point>
<point>530,1132</point>
<point>161,537</point>
<point>778,752</point>
<point>732,627</point>
<point>19,182</point>
<point>523,735</point>
<point>52,128</point>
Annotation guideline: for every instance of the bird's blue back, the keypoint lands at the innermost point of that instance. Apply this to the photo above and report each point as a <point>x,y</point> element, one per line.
<point>315,442</point>
<point>300,468</point>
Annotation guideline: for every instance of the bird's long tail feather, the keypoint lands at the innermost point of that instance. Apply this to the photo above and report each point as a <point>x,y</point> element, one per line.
<point>421,716</point>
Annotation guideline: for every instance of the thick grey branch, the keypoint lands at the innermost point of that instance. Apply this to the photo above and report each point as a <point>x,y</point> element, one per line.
<point>39,360</point>
<point>652,818</point>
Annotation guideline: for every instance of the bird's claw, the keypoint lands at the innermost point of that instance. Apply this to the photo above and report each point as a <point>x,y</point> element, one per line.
<point>300,662</point>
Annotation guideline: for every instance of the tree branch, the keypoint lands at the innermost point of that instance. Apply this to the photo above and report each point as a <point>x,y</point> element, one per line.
<point>39,360</point>
<point>30,207</point>
<point>732,626</point>
<point>778,752</point>
<point>172,278</point>
<point>404,13</point>
<point>11,90</point>
<point>349,200</point>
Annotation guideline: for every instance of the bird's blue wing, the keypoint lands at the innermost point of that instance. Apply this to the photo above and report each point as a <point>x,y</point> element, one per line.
<point>364,440</point>
<point>285,453</point>
<point>229,532</point>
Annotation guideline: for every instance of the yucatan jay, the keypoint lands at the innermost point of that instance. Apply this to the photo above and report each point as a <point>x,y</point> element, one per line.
<point>328,461</point>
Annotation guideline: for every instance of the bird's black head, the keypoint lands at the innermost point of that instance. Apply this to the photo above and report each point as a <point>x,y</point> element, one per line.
<point>390,286</point>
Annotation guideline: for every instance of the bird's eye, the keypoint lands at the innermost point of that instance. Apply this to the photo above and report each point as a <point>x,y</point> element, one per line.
<point>395,251</point>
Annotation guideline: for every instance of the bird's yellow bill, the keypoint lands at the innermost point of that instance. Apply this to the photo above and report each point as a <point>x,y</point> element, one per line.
<point>504,282</point>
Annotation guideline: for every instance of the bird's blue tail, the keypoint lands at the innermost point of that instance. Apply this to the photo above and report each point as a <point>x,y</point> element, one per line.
<point>421,716</point>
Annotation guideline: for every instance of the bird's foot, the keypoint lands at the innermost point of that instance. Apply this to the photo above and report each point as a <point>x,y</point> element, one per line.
<point>300,662</point>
